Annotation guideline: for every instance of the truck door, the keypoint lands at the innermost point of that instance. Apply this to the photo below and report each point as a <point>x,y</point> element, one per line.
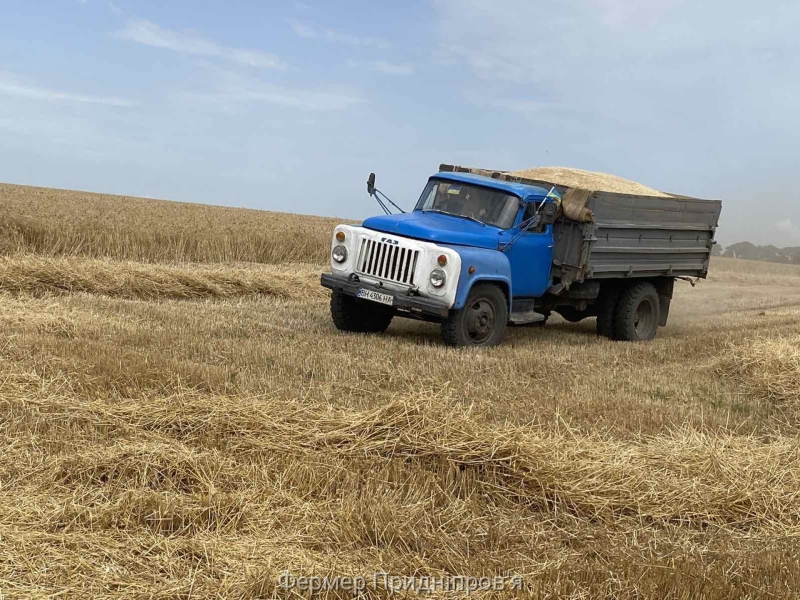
<point>531,258</point>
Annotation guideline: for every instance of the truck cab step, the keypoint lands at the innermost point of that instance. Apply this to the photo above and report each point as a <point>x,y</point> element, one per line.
<point>526,318</point>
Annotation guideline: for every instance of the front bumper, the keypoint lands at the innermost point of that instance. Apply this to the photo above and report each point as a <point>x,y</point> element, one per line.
<point>404,303</point>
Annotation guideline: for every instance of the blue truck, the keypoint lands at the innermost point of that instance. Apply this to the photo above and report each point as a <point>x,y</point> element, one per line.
<point>483,250</point>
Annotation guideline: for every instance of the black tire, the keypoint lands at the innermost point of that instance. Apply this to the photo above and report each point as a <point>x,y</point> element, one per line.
<point>572,314</point>
<point>361,316</point>
<point>638,313</point>
<point>607,311</point>
<point>482,322</point>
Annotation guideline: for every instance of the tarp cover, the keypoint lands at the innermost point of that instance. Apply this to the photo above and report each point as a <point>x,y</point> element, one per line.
<point>573,203</point>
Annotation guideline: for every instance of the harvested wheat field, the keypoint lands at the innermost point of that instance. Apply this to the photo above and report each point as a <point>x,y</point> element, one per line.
<point>68,223</point>
<point>188,424</point>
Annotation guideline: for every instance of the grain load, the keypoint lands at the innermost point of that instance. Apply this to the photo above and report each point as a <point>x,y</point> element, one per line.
<point>588,180</point>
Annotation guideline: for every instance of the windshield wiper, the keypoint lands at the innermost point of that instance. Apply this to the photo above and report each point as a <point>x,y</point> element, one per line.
<point>441,212</point>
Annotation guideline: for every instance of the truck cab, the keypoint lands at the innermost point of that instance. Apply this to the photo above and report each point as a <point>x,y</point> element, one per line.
<point>473,249</point>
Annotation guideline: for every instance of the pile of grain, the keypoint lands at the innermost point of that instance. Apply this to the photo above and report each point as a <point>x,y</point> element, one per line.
<point>588,180</point>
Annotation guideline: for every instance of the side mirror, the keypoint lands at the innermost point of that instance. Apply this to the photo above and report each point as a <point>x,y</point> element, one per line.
<point>371,184</point>
<point>549,213</point>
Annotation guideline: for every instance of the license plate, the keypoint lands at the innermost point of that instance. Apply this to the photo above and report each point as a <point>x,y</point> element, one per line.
<point>376,296</point>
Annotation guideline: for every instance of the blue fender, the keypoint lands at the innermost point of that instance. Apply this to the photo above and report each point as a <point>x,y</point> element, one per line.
<point>490,265</point>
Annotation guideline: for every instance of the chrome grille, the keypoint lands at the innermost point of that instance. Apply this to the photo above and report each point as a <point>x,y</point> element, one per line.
<point>387,261</point>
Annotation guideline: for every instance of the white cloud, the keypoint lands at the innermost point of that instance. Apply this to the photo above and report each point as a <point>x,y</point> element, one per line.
<point>46,128</point>
<point>387,68</point>
<point>621,57</point>
<point>232,91</point>
<point>307,31</point>
<point>526,108</point>
<point>29,92</point>
<point>518,105</point>
<point>302,29</point>
<point>314,100</point>
<point>788,227</point>
<point>151,34</point>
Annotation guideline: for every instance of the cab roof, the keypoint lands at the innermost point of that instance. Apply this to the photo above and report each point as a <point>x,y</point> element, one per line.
<point>517,189</point>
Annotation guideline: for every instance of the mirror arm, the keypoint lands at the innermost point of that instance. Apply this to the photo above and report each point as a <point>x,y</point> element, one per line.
<point>387,199</point>
<point>373,192</point>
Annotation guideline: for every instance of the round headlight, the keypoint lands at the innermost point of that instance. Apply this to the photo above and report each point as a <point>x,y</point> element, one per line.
<point>339,254</point>
<point>438,278</point>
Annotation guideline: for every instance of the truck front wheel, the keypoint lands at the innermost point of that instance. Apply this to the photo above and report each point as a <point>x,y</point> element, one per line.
<point>482,321</point>
<point>638,313</point>
<point>361,316</point>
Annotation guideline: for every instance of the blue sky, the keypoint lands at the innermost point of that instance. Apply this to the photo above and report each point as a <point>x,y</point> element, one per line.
<point>288,105</point>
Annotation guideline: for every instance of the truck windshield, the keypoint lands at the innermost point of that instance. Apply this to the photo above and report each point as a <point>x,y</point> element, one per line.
<point>470,201</point>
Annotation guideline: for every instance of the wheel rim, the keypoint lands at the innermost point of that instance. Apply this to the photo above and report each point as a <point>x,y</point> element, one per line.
<point>645,318</point>
<point>479,321</point>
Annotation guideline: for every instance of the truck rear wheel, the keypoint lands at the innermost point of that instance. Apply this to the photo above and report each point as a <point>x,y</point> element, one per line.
<point>638,313</point>
<point>361,316</point>
<point>482,321</point>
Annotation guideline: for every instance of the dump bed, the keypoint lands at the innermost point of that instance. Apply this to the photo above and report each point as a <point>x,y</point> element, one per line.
<point>617,235</point>
<point>636,236</point>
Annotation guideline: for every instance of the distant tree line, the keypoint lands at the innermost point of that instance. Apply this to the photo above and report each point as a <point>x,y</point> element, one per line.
<point>748,251</point>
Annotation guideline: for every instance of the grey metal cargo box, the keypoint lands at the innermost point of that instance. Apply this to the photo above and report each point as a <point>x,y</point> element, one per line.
<point>637,236</point>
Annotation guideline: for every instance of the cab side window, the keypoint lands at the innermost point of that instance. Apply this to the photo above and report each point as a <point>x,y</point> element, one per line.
<point>530,211</point>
